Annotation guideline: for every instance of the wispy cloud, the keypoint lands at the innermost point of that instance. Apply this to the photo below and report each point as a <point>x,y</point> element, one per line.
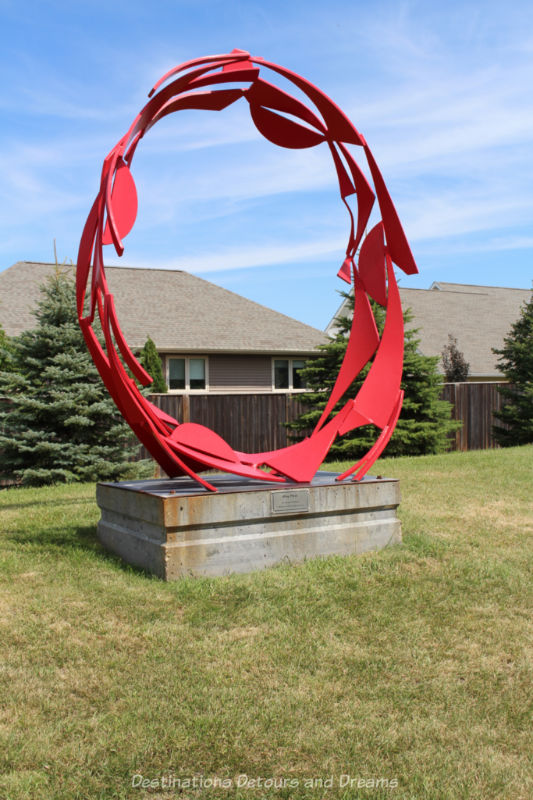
<point>442,95</point>
<point>490,244</point>
<point>249,257</point>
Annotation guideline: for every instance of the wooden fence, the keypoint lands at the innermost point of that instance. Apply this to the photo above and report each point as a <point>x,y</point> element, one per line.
<point>474,405</point>
<point>251,423</point>
<point>256,422</point>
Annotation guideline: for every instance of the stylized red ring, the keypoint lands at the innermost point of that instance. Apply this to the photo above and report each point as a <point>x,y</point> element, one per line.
<point>188,448</point>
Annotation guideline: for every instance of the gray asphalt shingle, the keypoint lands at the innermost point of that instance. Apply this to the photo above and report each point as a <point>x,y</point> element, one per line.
<point>479,317</point>
<point>181,312</point>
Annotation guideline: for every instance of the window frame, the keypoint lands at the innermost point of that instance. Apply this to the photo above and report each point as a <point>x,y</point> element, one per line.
<point>187,359</point>
<point>291,360</point>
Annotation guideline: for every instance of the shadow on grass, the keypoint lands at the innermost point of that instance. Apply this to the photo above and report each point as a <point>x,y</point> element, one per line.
<point>53,502</point>
<point>81,539</point>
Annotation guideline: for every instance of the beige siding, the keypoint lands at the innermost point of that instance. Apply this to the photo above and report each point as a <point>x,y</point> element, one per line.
<point>236,373</point>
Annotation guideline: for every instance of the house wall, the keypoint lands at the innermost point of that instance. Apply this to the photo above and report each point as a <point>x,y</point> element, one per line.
<point>240,373</point>
<point>235,373</point>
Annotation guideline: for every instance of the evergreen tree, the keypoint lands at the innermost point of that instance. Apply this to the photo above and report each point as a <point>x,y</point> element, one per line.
<point>57,421</point>
<point>424,422</point>
<point>6,352</point>
<point>516,362</point>
<point>456,367</point>
<point>150,360</point>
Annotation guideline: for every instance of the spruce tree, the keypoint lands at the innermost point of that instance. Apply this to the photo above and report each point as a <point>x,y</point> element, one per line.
<point>424,423</point>
<point>57,421</point>
<point>516,362</point>
<point>6,354</point>
<point>150,360</point>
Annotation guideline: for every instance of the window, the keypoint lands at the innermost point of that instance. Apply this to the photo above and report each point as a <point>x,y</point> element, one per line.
<point>281,373</point>
<point>197,373</point>
<point>186,374</point>
<point>297,379</point>
<point>176,373</point>
<point>287,373</point>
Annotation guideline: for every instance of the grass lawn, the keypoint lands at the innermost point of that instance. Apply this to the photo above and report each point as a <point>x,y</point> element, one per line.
<point>411,665</point>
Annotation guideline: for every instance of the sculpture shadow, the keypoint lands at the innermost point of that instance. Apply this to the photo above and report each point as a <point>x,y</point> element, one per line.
<point>67,539</point>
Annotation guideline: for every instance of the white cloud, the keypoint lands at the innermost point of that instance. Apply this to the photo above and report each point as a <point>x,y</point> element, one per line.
<point>488,244</point>
<point>249,256</point>
<point>444,104</point>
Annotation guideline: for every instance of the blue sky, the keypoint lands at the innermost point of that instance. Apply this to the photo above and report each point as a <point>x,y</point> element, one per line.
<point>442,91</point>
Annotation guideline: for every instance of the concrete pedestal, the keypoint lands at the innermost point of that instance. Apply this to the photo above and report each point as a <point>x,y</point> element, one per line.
<point>175,528</point>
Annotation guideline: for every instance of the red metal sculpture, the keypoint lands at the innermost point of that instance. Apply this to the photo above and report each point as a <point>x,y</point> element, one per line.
<point>188,448</point>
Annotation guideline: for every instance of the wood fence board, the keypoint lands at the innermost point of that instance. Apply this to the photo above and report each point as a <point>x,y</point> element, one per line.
<point>474,405</point>
<point>256,422</point>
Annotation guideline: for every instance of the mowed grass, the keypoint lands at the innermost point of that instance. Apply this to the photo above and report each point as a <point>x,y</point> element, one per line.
<point>411,665</point>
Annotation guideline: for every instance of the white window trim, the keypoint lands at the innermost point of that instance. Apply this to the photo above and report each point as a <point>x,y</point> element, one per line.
<point>290,388</point>
<point>187,359</point>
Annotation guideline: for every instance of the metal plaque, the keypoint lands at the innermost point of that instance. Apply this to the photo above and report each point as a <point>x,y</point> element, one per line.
<point>291,502</point>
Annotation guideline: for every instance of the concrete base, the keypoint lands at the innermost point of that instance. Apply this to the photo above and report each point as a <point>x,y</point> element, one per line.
<point>175,528</point>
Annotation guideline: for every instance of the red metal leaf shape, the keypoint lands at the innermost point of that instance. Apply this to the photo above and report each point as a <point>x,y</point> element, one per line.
<point>351,238</point>
<point>123,203</point>
<point>299,462</point>
<point>361,346</point>
<point>339,126</point>
<point>345,184</point>
<point>378,395</point>
<point>203,101</point>
<point>372,264</point>
<point>214,462</point>
<point>263,93</point>
<point>204,439</point>
<point>282,131</point>
<point>365,195</point>
<point>84,256</point>
<point>345,271</point>
<point>156,103</point>
<point>237,56</point>
<point>379,445</point>
<point>98,287</point>
<point>233,65</point>
<point>163,416</point>
<point>398,245</point>
<point>347,188</point>
<point>233,76</point>
<point>216,100</point>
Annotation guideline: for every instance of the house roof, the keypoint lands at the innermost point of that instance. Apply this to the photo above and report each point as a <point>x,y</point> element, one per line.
<point>179,311</point>
<point>479,317</point>
<point>470,288</point>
